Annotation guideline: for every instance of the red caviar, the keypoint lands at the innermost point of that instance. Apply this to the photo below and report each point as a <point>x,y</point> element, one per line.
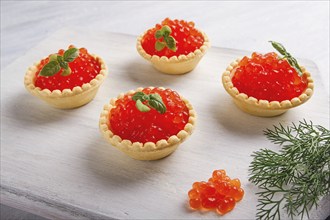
<point>187,38</point>
<point>84,68</point>
<point>268,77</point>
<point>220,193</point>
<point>129,123</point>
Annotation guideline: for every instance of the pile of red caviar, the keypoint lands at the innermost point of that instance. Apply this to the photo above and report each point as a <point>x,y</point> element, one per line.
<point>129,123</point>
<point>84,68</point>
<point>268,77</point>
<point>220,193</point>
<point>187,38</point>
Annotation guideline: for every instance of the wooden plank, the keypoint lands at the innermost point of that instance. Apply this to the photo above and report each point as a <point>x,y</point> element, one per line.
<point>55,162</point>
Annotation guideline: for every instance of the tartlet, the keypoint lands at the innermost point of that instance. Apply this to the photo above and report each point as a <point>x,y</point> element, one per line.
<point>189,46</point>
<point>278,101</point>
<point>141,135</point>
<point>66,90</point>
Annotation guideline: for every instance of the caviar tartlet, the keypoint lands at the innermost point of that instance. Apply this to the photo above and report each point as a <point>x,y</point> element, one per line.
<point>147,124</point>
<point>174,46</point>
<point>268,85</point>
<point>67,79</point>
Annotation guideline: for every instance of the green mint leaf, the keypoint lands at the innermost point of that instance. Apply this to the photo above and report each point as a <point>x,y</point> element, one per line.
<point>70,54</point>
<point>66,72</point>
<point>156,96</point>
<point>152,100</point>
<point>142,107</point>
<point>286,55</point>
<point>295,65</point>
<point>159,45</point>
<point>279,47</point>
<point>157,105</point>
<point>53,57</point>
<point>290,61</point>
<point>62,63</point>
<point>158,34</point>
<point>170,43</point>
<point>166,30</point>
<point>50,69</point>
<point>140,96</point>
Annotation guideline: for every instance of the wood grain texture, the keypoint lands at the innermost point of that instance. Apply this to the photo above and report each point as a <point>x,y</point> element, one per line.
<point>7,213</point>
<point>56,164</point>
<point>302,26</point>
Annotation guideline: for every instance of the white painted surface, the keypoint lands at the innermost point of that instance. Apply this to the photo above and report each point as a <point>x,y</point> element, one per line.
<point>56,163</point>
<point>7,212</point>
<point>302,26</point>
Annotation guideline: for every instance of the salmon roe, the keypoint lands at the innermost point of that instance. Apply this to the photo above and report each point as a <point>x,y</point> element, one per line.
<point>129,123</point>
<point>83,69</point>
<point>268,77</point>
<point>187,38</point>
<point>220,193</point>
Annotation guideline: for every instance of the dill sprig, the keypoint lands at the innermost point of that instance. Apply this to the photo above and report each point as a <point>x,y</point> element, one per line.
<point>297,176</point>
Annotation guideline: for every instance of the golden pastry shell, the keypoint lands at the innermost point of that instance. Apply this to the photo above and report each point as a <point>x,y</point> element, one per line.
<point>68,98</point>
<point>264,108</point>
<point>175,64</point>
<point>148,150</point>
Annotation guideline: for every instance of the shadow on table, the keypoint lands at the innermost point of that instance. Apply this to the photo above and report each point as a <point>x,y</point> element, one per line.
<point>233,119</point>
<point>114,167</point>
<point>31,111</point>
<point>144,74</point>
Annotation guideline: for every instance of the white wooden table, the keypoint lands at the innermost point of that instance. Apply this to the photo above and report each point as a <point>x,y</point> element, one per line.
<point>55,163</point>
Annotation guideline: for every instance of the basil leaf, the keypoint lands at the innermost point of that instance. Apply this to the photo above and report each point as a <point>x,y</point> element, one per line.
<point>156,96</point>
<point>169,41</point>
<point>158,34</point>
<point>62,63</point>
<point>140,96</point>
<point>159,45</point>
<point>171,44</point>
<point>294,63</point>
<point>286,55</point>
<point>279,47</point>
<point>142,107</point>
<point>290,62</point>
<point>166,30</point>
<point>153,100</point>
<point>157,105</point>
<point>66,72</point>
<point>53,57</point>
<point>50,69</point>
<point>71,54</point>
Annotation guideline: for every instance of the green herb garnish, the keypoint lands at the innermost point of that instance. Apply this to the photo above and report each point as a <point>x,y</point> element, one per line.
<point>286,55</point>
<point>151,101</point>
<point>56,62</point>
<point>168,41</point>
<point>296,177</point>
